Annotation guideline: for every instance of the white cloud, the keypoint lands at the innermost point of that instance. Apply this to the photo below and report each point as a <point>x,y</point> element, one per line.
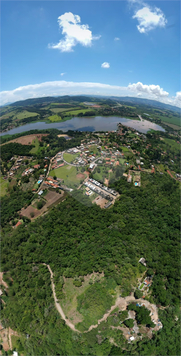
<point>152,90</point>
<point>74,33</point>
<point>105,65</point>
<point>58,88</point>
<point>149,19</point>
<point>178,96</point>
<point>62,74</point>
<point>116,39</point>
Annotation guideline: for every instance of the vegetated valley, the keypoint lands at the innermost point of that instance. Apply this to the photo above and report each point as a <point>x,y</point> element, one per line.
<point>90,242</point>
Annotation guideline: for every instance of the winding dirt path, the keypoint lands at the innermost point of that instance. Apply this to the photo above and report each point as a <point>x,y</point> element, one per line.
<point>57,305</point>
<point>120,302</point>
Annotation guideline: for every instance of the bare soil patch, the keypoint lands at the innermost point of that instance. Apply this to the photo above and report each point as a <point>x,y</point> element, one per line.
<point>52,197</point>
<point>1,280</point>
<point>4,335</point>
<point>27,140</point>
<point>30,210</point>
<point>100,201</point>
<point>80,176</point>
<point>106,181</point>
<point>62,135</point>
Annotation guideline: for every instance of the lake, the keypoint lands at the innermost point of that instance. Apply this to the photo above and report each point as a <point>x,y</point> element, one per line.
<point>97,123</point>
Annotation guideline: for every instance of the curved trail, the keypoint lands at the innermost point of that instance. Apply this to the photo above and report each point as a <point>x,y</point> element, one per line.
<point>57,305</point>
<point>120,302</point>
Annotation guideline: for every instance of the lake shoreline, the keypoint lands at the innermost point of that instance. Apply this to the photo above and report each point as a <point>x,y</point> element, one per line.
<point>91,124</point>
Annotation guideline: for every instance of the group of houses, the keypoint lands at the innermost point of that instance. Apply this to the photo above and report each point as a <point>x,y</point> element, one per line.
<point>53,183</point>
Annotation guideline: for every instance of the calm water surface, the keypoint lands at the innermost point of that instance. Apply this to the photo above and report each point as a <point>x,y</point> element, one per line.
<point>97,123</point>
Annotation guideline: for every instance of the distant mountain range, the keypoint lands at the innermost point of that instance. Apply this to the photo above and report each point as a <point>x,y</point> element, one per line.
<point>124,100</point>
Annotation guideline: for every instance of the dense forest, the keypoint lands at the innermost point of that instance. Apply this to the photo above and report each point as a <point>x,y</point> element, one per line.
<point>75,242</point>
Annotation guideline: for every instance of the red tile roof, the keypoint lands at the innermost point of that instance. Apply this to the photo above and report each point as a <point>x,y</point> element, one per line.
<point>18,223</point>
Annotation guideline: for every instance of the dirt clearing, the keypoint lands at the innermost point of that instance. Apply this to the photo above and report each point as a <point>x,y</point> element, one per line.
<point>30,212</point>
<point>80,176</point>
<point>51,198</point>
<point>100,201</point>
<point>27,140</point>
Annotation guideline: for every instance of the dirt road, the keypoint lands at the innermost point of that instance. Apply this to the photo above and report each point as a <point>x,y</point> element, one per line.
<point>57,305</point>
<point>120,302</point>
<point>1,280</point>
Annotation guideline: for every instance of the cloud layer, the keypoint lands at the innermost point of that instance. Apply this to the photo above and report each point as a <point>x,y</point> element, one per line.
<point>105,65</point>
<point>148,89</point>
<point>149,19</point>
<point>73,32</point>
<point>58,88</point>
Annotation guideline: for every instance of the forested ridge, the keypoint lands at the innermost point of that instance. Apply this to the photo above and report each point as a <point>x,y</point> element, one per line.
<point>75,242</point>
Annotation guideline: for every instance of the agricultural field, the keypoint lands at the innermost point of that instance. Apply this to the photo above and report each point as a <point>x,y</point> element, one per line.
<point>27,139</point>
<point>24,114</point>
<point>172,143</point>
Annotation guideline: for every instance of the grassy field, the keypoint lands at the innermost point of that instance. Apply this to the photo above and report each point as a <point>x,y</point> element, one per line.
<point>37,145</point>
<point>8,115</point>
<point>3,186</point>
<point>69,303</point>
<point>70,157</point>
<point>95,301</point>
<point>24,114</point>
<point>57,110</point>
<point>175,127</point>
<point>170,120</point>
<point>172,143</point>
<point>54,118</point>
<point>76,112</point>
<point>68,174</point>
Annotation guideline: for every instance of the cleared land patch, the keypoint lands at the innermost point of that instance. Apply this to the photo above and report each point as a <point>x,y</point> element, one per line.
<point>27,140</point>
<point>71,292</point>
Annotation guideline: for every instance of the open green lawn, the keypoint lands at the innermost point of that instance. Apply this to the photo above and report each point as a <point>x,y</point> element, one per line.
<point>54,118</point>
<point>3,186</point>
<point>37,144</point>
<point>24,114</point>
<point>125,149</point>
<point>70,157</point>
<point>68,174</point>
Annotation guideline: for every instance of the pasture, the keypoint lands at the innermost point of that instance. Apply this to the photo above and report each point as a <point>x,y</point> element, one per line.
<point>24,114</point>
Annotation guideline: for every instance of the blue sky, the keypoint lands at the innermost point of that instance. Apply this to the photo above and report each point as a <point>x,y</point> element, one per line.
<point>124,48</point>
